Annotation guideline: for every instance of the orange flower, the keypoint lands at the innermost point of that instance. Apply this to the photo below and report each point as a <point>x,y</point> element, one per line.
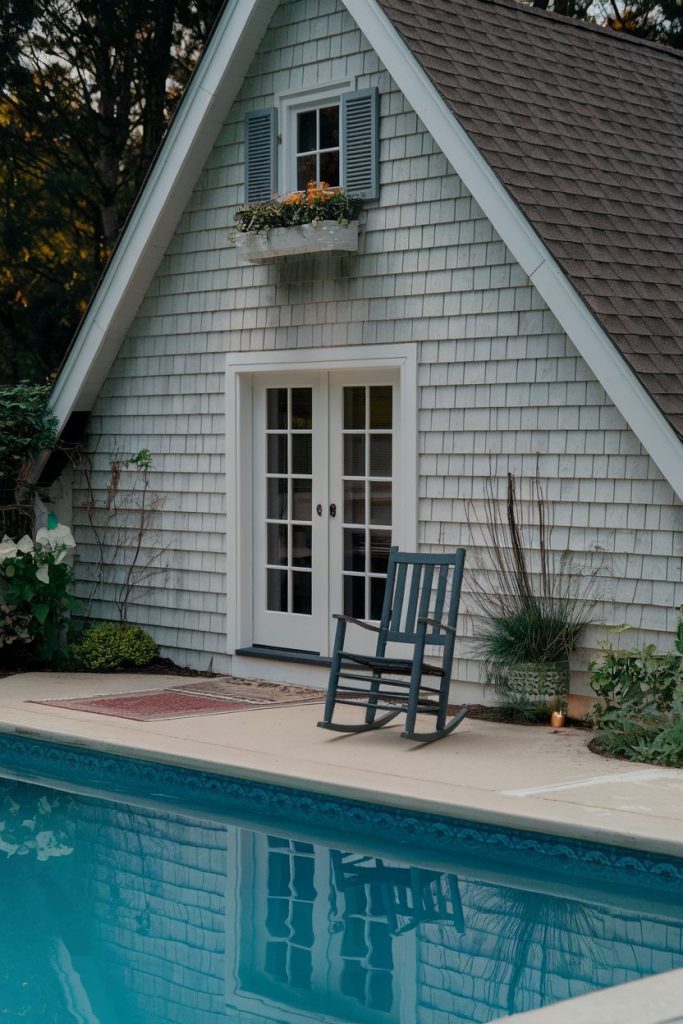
<point>293,199</point>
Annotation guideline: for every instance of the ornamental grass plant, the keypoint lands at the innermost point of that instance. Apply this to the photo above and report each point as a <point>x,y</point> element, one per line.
<point>530,602</point>
<point>316,203</point>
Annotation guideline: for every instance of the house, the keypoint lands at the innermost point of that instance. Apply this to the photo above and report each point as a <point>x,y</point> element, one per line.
<point>514,304</point>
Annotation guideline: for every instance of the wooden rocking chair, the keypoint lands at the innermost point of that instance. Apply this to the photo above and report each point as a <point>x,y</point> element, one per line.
<point>427,616</point>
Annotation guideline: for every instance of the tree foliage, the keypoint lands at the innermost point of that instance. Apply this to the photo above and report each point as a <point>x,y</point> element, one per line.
<point>659,22</point>
<point>87,88</point>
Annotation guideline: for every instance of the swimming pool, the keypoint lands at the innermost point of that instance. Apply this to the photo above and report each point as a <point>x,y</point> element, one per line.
<point>182,896</point>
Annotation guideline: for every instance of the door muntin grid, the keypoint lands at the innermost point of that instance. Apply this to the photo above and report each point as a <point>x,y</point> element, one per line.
<point>367,506</point>
<point>289,500</point>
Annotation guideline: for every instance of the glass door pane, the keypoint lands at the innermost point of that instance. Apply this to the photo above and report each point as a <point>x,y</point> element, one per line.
<point>289,500</point>
<point>367,505</point>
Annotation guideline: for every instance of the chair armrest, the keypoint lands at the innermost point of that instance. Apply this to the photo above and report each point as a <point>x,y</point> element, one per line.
<point>356,622</point>
<point>435,622</point>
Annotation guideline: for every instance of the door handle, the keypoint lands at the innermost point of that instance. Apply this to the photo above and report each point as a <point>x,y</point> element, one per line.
<point>319,509</point>
<point>333,510</point>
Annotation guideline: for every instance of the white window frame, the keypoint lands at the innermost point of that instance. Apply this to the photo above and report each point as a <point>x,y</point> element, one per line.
<point>289,105</point>
<point>240,371</point>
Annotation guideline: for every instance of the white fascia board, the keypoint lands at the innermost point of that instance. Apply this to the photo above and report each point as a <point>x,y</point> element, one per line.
<point>184,152</point>
<point>624,389</point>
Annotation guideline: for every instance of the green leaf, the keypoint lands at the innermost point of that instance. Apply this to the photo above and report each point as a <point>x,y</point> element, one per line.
<point>41,612</point>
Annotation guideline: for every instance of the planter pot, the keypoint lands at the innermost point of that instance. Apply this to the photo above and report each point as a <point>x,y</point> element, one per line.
<point>327,236</point>
<point>537,682</point>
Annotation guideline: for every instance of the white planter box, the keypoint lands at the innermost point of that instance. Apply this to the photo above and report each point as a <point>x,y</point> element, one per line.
<point>328,236</point>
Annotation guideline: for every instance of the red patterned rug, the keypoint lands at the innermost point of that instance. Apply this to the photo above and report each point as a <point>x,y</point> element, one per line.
<point>213,697</point>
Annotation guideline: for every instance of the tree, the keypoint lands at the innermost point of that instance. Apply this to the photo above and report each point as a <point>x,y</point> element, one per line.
<point>87,88</point>
<point>660,22</point>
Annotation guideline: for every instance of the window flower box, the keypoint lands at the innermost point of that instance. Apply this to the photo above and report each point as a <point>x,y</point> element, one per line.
<point>325,236</point>
<point>317,219</point>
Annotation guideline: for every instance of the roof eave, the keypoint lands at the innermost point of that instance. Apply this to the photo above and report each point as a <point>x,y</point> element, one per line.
<point>622,386</point>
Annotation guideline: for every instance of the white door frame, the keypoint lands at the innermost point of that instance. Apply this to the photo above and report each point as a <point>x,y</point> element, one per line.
<point>241,368</point>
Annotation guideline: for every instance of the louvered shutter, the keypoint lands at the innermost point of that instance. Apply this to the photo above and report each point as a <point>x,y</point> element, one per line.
<point>360,142</point>
<point>260,142</point>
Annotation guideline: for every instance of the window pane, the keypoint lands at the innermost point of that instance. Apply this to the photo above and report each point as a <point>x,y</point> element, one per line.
<point>302,502</point>
<point>329,128</point>
<point>306,131</point>
<point>276,960</point>
<point>354,501</point>
<point>277,408</point>
<point>302,545</point>
<point>380,543</point>
<point>381,407</point>
<point>306,170</point>
<point>354,408</point>
<point>354,455</point>
<point>276,597</point>
<point>329,167</point>
<point>302,923</point>
<point>380,455</point>
<point>277,453</point>
<point>277,499</point>
<point>302,409</point>
<point>302,592</point>
<point>380,504</point>
<point>354,596</point>
<point>277,544</point>
<point>354,550</point>
<point>302,453</point>
<point>377,588</point>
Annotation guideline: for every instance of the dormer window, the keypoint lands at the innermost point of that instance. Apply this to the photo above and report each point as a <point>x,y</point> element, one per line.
<point>318,153</point>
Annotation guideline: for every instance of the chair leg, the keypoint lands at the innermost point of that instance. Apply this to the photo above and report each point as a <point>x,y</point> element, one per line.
<point>335,669</point>
<point>415,680</point>
<point>374,697</point>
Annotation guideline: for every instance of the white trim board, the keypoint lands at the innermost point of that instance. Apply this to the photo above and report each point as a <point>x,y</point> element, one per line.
<point>241,367</point>
<point>212,90</point>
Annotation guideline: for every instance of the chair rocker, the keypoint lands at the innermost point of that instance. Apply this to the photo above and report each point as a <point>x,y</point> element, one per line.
<point>420,610</point>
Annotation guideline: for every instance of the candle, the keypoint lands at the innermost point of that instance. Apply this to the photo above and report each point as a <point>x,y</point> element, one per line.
<point>557,719</point>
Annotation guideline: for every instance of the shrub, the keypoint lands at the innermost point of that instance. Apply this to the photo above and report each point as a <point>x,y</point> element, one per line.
<point>35,598</point>
<point>110,646</point>
<point>317,203</point>
<point>530,602</point>
<point>639,712</point>
<point>26,426</point>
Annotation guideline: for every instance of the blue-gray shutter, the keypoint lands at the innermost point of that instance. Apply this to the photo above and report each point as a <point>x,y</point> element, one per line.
<point>260,160</point>
<point>360,142</point>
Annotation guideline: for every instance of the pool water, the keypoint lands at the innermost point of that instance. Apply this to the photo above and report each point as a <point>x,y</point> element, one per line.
<point>126,909</point>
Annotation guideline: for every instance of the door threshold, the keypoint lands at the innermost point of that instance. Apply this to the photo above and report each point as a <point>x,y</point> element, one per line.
<point>284,654</point>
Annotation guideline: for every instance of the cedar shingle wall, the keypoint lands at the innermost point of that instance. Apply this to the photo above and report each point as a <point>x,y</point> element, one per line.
<point>500,384</point>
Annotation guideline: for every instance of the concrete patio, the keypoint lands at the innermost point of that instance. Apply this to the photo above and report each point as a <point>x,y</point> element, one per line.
<point>526,777</point>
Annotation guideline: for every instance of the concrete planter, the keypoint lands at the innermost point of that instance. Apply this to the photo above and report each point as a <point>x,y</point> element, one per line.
<point>327,236</point>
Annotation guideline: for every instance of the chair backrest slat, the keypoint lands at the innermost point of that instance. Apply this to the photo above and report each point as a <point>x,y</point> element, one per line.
<point>441,588</point>
<point>422,574</point>
<point>399,592</point>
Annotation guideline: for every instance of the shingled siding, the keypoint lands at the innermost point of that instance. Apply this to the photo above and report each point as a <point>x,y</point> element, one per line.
<point>500,384</point>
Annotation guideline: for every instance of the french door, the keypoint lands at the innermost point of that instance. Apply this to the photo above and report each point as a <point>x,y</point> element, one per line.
<point>325,447</point>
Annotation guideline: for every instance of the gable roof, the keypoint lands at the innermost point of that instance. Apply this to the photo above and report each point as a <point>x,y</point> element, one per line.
<point>442,65</point>
<point>584,127</point>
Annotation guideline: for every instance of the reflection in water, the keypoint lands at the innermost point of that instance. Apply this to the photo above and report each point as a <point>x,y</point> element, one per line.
<point>114,913</point>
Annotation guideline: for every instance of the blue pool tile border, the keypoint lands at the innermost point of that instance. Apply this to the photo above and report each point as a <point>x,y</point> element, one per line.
<point>123,776</point>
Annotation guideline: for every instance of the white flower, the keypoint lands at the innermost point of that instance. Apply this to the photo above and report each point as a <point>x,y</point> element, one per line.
<point>60,537</point>
<point>25,545</point>
<point>8,549</point>
<point>43,574</point>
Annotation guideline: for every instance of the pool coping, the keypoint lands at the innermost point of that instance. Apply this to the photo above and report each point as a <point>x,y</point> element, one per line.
<point>531,780</point>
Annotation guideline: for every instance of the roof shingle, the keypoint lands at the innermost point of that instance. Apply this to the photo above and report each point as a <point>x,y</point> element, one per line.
<point>584,127</point>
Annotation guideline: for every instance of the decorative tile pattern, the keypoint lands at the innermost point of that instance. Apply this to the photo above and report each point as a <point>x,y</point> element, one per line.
<point>513,847</point>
